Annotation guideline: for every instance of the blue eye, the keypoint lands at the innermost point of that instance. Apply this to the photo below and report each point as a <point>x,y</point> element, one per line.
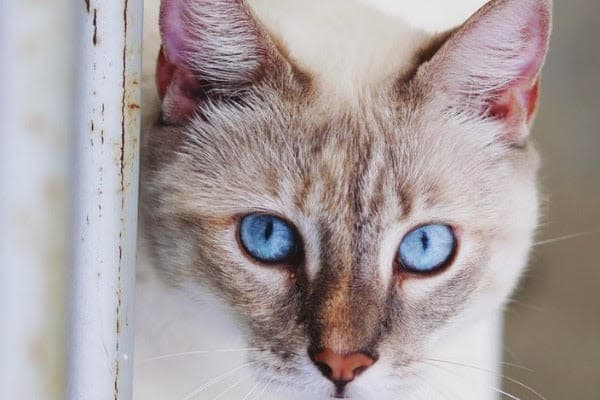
<point>267,238</point>
<point>427,248</point>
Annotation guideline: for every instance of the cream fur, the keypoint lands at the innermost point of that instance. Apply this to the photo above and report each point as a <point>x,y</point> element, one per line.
<point>325,38</point>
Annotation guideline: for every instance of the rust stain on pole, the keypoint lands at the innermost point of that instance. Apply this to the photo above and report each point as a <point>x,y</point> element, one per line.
<point>95,24</point>
<point>124,99</point>
<point>126,125</point>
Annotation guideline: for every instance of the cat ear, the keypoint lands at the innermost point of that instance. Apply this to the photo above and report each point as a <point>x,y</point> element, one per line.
<point>209,48</point>
<point>491,65</point>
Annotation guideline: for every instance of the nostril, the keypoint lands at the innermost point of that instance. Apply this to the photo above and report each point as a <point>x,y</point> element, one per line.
<point>324,368</point>
<point>359,370</point>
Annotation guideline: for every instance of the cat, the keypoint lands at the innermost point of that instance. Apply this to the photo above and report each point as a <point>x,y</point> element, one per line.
<point>335,204</point>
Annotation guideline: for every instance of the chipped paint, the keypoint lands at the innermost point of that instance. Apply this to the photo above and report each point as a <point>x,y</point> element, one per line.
<point>106,183</point>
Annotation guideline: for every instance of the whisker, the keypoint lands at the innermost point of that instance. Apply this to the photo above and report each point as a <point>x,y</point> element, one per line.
<point>517,366</point>
<point>247,396</point>
<point>515,381</point>
<point>216,379</point>
<point>491,387</point>
<point>229,388</point>
<point>196,352</point>
<point>532,307</point>
<point>265,388</point>
<point>435,388</point>
<point>502,392</point>
<point>565,237</point>
<point>510,353</point>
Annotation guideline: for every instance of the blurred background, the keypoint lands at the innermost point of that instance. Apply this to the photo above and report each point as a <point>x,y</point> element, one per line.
<point>553,324</point>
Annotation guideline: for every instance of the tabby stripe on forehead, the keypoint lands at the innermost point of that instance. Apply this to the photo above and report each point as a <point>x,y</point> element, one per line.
<point>357,184</point>
<point>401,187</point>
<point>377,200</point>
<point>306,185</point>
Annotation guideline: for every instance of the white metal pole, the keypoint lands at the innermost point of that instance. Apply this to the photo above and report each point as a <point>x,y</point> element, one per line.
<point>105,200</point>
<point>35,120</point>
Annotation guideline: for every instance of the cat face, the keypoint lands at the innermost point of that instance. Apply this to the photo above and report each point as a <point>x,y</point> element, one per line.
<point>348,236</point>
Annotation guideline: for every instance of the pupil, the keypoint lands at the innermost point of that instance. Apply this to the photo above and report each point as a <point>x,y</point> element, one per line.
<point>268,230</point>
<point>424,240</point>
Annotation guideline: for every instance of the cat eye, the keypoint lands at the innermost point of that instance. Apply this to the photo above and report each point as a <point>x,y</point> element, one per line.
<point>427,248</point>
<point>267,238</point>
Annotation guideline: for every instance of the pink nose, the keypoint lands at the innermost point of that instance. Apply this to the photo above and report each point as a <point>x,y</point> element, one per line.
<point>341,369</point>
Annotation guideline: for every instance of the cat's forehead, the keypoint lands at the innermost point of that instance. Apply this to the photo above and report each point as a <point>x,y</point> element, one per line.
<point>392,142</point>
<point>385,154</point>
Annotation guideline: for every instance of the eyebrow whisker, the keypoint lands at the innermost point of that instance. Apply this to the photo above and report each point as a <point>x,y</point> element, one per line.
<point>565,237</point>
<point>197,352</point>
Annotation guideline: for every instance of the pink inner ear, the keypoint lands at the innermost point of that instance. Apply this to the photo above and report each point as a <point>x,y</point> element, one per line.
<point>164,74</point>
<point>172,29</point>
<point>174,82</point>
<point>492,63</point>
<point>208,47</point>
<point>181,87</point>
<point>531,100</point>
<point>517,104</point>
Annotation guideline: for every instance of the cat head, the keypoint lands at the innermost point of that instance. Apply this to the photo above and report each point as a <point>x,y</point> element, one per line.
<point>348,234</point>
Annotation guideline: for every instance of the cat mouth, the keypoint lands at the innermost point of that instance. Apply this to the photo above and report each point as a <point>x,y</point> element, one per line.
<point>340,390</point>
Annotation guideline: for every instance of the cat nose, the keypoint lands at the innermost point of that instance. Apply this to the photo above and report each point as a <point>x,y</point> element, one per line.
<point>341,369</point>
